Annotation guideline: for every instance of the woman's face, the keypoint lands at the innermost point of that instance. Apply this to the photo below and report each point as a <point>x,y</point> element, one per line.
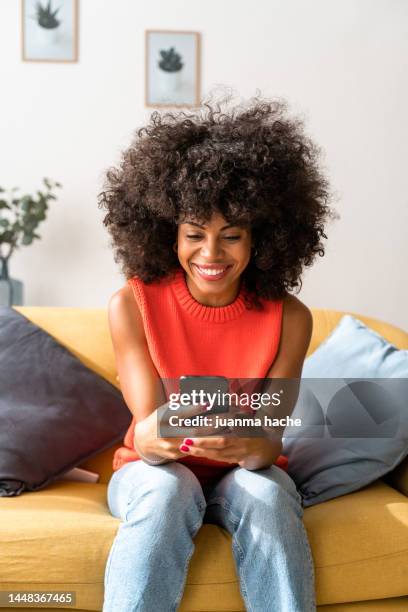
<point>214,255</point>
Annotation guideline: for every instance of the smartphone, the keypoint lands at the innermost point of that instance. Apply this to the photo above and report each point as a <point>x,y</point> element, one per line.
<point>213,385</point>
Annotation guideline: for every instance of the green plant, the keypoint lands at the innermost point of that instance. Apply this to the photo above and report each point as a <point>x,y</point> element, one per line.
<point>171,61</point>
<point>20,217</point>
<point>46,17</point>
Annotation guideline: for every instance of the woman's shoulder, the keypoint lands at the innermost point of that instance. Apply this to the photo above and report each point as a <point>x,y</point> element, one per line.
<point>290,306</point>
<point>123,297</point>
<point>159,283</point>
<point>124,312</point>
<point>296,312</point>
<point>292,303</point>
<point>138,295</point>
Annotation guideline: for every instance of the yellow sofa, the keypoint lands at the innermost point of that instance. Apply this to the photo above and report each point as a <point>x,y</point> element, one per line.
<point>58,539</point>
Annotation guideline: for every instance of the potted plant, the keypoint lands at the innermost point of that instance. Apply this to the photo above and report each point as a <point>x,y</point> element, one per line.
<point>170,66</point>
<point>47,22</point>
<point>19,219</point>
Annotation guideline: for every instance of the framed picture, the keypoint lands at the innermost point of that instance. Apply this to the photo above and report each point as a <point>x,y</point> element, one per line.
<point>49,30</point>
<point>172,68</point>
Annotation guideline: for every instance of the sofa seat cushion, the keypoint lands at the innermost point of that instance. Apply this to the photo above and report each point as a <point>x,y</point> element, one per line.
<point>59,538</point>
<point>360,545</point>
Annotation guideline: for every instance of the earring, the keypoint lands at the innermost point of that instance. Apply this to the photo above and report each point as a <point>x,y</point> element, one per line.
<point>256,252</point>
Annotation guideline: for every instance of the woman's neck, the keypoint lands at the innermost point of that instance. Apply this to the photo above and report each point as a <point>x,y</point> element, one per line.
<point>212,299</point>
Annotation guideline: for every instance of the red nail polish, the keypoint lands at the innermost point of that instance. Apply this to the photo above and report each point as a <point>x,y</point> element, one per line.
<point>189,441</point>
<point>184,448</point>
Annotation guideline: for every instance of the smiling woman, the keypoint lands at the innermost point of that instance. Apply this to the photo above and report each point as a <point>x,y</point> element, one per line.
<point>254,165</point>
<point>213,217</point>
<point>213,258</point>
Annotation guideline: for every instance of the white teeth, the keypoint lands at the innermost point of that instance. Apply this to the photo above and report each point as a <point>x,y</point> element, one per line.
<point>211,272</point>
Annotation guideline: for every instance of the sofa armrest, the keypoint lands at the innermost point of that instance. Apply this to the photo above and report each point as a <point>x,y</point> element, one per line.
<point>398,478</point>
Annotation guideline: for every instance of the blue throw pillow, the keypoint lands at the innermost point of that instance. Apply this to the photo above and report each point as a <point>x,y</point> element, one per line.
<point>353,431</point>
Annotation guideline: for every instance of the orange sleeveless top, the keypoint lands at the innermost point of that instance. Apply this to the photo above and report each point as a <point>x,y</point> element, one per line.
<point>185,337</point>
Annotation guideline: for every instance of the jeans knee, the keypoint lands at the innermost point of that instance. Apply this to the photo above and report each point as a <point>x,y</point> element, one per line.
<point>270,490</point>
<point>172,482</point>
<point>167,489</point>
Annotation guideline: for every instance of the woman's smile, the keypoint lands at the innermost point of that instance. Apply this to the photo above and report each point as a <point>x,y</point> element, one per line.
<point>211,272</point>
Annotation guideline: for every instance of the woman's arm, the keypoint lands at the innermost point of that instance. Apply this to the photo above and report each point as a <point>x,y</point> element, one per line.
<point>139,380</point>
<point>296,332</point>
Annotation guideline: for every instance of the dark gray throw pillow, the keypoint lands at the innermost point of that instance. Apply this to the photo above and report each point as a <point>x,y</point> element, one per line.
<point>54,411</point>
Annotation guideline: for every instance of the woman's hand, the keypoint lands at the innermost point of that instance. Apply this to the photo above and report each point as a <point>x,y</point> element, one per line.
<point>155,448</point>
<point>251,453</point>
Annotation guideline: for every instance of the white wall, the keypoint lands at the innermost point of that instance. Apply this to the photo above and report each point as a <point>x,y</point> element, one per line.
<point>342,64</point>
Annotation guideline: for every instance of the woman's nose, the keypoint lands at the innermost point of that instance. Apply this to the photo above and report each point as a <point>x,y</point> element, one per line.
<point>211,249</point>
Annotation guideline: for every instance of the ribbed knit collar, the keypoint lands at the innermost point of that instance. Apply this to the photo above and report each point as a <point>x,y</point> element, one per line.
<point>213,314</point>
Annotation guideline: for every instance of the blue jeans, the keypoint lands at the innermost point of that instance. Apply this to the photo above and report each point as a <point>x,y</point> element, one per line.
<point>162,507</point>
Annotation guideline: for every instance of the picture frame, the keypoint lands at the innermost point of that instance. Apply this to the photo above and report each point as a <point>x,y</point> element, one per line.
<point>172,68</point>
<point>49,30</point>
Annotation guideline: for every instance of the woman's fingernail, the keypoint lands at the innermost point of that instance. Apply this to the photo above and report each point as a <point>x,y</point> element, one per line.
<point>184,448</point>
<point>188,441</point>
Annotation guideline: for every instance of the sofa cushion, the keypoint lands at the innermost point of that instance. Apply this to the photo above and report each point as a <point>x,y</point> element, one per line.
<point>59,538</point>
<point>353,431</point>
<point>353,350</point>
<point>359,544</point>
<point>54,411</point>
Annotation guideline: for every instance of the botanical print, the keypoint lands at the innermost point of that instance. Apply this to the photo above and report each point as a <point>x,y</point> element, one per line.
<point>50,30</point>
<point>172,68</point>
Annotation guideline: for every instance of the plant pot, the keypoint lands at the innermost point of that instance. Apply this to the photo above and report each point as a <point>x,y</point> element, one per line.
<point>11,290</point>
<point>169,83</point>
<point>47,36</point>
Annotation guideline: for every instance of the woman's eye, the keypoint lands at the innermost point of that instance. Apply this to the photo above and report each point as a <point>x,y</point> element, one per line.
<point>198,237</point>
